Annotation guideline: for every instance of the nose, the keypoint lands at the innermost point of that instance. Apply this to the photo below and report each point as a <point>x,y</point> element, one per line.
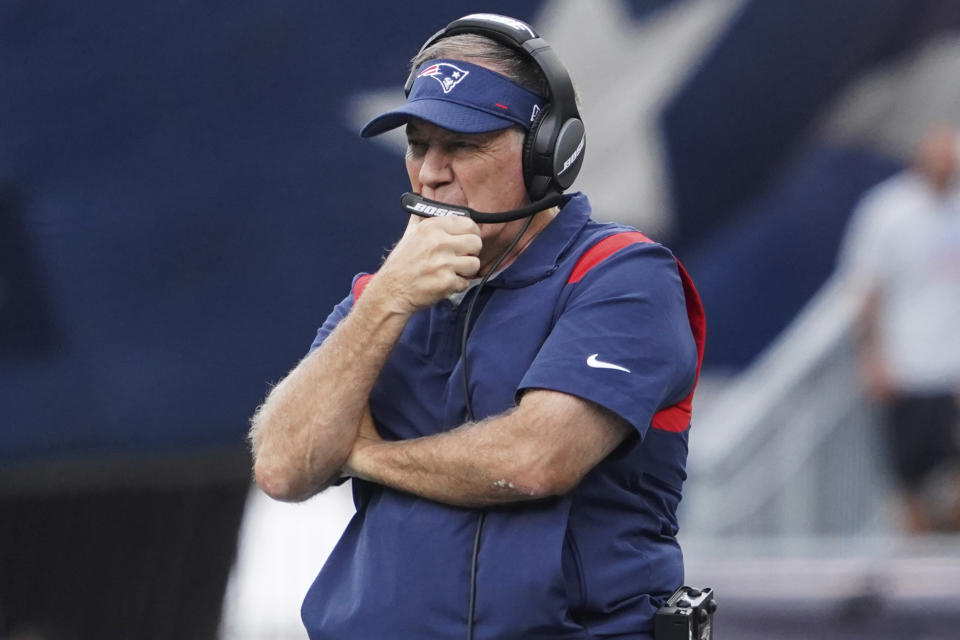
<point>435,169</point>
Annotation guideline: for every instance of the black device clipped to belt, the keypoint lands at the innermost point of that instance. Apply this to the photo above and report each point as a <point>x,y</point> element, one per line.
<point>686,615</point>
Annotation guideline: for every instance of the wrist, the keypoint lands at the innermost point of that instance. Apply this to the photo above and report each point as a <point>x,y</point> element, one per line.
<point>382,296</point>
<point>356,464</point>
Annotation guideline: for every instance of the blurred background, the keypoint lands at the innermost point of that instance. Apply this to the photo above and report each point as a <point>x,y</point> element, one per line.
<point>184,197</point>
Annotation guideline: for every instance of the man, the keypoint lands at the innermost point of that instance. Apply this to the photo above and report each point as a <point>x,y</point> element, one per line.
<point>526,487</point>
<point>902,255</point>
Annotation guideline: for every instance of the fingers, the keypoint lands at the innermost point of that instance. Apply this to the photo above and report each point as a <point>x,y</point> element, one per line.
<point>459,236</point>
<point>466,244</point>
<point>466,266</point>
<point>455,224</point>
<point>450,225</point>
<point>435,258</point>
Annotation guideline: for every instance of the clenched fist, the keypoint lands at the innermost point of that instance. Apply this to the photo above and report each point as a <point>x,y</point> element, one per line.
<point>435,258</point>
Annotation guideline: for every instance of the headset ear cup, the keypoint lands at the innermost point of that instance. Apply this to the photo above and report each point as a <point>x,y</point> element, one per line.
<point>568,150</point>
<point>536,179</point>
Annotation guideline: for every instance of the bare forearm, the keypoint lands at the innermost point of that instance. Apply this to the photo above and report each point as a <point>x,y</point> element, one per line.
<point>865,322</point>
<point>538,450</point>
<point>461,468</point>
<point>874,369</point>
<point>308,425</point>
<point>449,468</point>
<point>305,429</point>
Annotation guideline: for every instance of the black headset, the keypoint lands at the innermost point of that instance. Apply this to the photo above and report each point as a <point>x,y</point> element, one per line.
<point>554,146</point>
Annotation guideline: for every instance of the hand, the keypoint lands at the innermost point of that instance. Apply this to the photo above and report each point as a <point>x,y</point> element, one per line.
<point>434,259</point>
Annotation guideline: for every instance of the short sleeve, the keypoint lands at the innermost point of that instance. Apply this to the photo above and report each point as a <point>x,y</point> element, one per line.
<point>872,233</point>
<point>622,339</point>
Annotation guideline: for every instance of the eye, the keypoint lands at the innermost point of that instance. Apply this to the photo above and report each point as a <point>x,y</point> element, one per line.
<point>416,148</point>
<point>461,145</point>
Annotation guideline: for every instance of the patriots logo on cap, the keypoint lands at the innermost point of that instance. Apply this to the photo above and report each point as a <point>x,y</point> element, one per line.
<point>446,74</point>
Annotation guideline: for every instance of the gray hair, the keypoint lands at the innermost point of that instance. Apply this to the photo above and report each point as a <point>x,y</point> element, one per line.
<point>509,62</point>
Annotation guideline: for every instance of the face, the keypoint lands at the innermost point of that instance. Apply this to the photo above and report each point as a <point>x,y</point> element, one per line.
<point>480,170</point>
<point>483,171</point>
<point>937,158</point>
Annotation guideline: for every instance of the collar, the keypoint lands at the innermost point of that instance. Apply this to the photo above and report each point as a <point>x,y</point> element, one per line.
<point>542,257</point>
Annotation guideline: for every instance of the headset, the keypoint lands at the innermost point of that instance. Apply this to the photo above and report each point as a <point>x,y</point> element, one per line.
<point>554,146</point>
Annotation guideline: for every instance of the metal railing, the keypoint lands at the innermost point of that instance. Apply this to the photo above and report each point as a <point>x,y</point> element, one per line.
<point>790,446</point>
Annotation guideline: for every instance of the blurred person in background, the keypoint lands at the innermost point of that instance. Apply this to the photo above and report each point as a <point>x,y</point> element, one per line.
<point>527,486</point>
<point>902,257</point>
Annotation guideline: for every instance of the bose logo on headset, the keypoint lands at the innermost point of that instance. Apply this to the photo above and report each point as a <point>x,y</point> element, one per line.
<point>423,209</point>
<point>576,154</point>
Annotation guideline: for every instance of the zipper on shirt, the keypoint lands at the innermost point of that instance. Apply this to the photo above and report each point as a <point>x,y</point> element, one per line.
<point>579,599</point>
<point>472,605</point>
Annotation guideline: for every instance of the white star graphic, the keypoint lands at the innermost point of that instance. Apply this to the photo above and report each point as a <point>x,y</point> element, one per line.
<point>625,71</point>
<point>891,107</point>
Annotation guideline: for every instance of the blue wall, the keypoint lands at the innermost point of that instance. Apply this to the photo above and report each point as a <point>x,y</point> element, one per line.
<point>182,199</point>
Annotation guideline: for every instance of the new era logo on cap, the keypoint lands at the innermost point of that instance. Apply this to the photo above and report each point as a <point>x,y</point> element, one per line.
<point>446,74</point>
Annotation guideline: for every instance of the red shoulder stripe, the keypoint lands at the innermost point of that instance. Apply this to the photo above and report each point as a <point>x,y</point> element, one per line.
<point>677,417</point>
<point>360,285</point>
<point>603,250</point>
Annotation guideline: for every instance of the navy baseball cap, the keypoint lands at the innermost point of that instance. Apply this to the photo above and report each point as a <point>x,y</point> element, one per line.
<point>461,97</point>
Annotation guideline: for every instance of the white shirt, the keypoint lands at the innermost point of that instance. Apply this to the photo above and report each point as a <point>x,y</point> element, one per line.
<point>904,243</point>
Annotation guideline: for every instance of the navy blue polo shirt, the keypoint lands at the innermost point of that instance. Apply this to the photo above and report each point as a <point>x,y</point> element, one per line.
<point>589,309</point>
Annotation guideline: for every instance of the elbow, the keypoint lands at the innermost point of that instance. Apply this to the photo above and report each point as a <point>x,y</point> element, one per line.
<point>276,483</point>
<point>541,481</point>
<point>270,475</point>
<point>554,484</point>
<point>282,484</point>
<point>287,473</point>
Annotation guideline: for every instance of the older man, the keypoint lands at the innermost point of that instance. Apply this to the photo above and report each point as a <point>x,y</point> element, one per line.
<point>511,399</point>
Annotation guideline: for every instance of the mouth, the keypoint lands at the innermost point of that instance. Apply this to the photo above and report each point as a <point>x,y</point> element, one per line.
<point>444,196</point>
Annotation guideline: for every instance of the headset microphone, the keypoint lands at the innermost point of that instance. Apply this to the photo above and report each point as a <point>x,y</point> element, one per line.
<point>427,208</point>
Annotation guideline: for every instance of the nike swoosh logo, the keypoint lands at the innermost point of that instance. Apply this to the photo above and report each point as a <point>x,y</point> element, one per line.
<point>600,364</point>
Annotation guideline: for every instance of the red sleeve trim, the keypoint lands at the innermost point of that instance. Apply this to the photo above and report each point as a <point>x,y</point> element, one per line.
<point>676,417</point>
<point>603,250</point>
<point>360,285</point>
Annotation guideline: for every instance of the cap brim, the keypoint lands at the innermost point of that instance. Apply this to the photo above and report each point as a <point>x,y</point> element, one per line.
<point>444,114</point>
